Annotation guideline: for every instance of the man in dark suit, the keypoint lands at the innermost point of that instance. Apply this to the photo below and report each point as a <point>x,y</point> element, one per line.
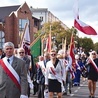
<point>21,55</point>
<point>13,85</point>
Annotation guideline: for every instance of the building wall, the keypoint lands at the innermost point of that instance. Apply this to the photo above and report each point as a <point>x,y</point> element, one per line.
<point>8,29</point>
<point>47,16</point>
<point>25,13</point>
<point>11,27</point>
<point>41,14</point>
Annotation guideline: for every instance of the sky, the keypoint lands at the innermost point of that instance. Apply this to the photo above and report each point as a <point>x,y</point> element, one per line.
<point>63,9</point>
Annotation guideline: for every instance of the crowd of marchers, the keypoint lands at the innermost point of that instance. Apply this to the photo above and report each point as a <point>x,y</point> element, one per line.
<point>52,74</point>
<point>55,73</point>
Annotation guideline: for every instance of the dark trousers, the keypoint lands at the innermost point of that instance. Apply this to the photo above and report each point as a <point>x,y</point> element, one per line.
<point>41,91</point>
<point>35,87</point>
<point>28,90</point>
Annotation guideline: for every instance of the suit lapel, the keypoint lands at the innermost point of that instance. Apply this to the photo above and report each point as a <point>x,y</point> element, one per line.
<point>14,63</point>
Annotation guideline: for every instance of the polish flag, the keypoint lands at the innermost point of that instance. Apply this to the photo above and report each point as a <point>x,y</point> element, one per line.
<point>81,26</point>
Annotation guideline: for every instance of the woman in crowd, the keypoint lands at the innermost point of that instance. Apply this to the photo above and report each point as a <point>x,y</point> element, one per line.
<point>92,74</point>
<point>54,75</point>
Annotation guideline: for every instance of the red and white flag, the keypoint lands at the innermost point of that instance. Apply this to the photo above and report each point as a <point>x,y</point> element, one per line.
<point>71,51</point>
<point>26,40</point>
<point>83,27</point>
<point>72,55</point>
<point>48,44</point>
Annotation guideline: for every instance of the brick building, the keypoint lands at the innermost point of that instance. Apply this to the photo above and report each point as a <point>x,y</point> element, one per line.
<point>12,23</point>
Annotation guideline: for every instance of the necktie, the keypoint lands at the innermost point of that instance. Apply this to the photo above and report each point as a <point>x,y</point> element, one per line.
<point>8,60</point>
<point>45,63</point>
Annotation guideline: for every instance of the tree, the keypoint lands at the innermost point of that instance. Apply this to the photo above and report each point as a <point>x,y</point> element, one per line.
<point>86,43</point>
<point>96,46</point>
<point>58,33</point>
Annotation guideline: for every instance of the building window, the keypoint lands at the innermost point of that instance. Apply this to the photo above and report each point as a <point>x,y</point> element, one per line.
<point>2,39</point>
<point>22,23</point>
<point>41,18</point>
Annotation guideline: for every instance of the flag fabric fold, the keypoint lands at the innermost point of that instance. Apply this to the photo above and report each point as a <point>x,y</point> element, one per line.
<point>71,51</point>
<point>81,26</point>
<point>35,47</point>
<point>26,40</point>
<point>72,55</point>
<point>48,44</point>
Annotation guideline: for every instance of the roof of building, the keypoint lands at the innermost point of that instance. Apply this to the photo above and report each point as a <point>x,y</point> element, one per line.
<point>5,11</point>
<point>39,9</point>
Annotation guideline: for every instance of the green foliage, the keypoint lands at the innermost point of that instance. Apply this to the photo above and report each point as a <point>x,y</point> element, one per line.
<point>59,33</point>
<point>86,43</point>
<point>96,46</point>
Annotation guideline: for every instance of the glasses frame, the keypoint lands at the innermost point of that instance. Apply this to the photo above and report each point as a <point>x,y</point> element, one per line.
<point>21,52</point>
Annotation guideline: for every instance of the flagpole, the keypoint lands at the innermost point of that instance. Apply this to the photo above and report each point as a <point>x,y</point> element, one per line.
<point>23,34</point>
<point>26,24</point>
<point>50,39</point>
<point>35,40</point>
<point>64,45</point>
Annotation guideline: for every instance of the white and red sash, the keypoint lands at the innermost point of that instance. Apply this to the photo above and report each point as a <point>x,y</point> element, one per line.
<point>8,69</point>
<point>93,64</point>
<point>59,79</point>
<point>72,73</point>
<point>70,69</point>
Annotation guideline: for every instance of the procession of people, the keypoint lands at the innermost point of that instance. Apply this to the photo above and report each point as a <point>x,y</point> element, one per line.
<point>53,73</point>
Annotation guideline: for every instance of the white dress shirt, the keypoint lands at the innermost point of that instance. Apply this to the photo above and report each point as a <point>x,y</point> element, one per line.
<point>10,59</point>
<point>58,70</point>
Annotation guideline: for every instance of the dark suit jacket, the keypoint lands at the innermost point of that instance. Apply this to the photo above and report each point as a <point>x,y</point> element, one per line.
<point>27,62</point>
<point>40,76</point>
<point>7,87</point>
<point>2,56</point>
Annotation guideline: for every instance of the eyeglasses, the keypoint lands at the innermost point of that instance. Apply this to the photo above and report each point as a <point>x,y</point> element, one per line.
<point>21,52</point>
<point>93,53</point>
<point>53,54</point>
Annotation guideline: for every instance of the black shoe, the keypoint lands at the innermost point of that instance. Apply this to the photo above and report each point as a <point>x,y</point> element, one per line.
<point>93,97</point>
<point>90,96</point>
<point>75,84</point>
<point>34,93</point>
<point>65,93</point>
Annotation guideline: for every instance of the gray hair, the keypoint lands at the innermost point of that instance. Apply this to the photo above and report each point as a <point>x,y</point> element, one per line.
<point>8,44</point>
<point>20,49</point>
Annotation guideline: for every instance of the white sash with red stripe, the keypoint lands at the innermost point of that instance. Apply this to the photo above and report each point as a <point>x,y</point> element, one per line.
<point>59,79</point>
<point>10,72</point>
<point>93,64</point>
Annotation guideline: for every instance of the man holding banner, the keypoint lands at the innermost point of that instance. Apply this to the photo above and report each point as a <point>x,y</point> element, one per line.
<point>13,75</point>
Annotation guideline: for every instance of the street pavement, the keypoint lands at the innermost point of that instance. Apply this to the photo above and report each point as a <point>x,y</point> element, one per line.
<point>77,91</point>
